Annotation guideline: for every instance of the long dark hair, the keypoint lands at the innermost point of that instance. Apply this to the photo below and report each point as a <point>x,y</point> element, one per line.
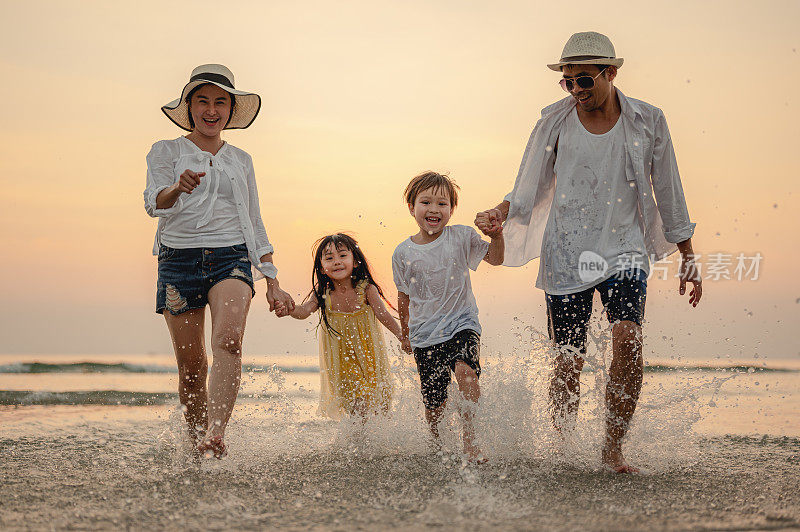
<point>321,283</point>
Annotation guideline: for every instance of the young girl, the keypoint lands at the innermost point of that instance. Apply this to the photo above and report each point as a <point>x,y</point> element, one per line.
<point>354,370</point>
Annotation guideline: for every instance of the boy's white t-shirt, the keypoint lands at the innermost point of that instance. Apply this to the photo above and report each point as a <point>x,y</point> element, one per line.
<point>435,276</point>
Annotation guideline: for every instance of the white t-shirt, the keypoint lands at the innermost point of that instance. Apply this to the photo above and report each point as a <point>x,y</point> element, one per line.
<point>594,217</point>
<point>435,276</point>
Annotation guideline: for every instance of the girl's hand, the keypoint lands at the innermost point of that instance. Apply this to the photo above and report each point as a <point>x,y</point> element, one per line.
<point>406,343</point>
<point>189,181</point>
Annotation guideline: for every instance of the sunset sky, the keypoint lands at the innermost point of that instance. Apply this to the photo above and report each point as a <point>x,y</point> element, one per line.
<point>358,97</point>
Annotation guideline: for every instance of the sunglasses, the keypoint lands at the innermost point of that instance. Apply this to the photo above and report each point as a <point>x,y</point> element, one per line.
<point>584,82</point>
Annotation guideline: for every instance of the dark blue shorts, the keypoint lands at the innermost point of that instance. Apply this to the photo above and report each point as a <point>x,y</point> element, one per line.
<point>623,296</point>
<point>186,275</point>
<point>435,363</point>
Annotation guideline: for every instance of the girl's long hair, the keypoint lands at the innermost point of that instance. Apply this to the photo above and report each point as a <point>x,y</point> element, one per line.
<point>321,283</point>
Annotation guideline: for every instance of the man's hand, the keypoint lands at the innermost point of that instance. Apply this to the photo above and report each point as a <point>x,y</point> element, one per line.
<point>690,273</point>
<point>490,222</point>
<point>277,298</point>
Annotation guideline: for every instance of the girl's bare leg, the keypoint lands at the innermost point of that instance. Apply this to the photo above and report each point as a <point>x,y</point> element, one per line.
<point>229,301</point>
<point>186,330</point>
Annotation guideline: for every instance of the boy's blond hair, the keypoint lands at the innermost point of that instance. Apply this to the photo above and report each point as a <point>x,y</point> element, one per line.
<point>433,180</point>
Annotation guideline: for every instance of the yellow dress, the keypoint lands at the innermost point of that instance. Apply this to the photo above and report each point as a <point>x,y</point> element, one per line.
<point>354,370</point>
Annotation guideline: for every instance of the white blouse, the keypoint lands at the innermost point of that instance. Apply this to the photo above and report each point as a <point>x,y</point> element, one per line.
<point>193,221</point>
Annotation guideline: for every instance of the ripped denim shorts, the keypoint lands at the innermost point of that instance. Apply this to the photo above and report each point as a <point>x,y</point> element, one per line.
<point>185,276</point>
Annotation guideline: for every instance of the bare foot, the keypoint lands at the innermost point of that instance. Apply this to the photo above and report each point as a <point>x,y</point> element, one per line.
<point>615,461</point>
<point>474,455</point>
<point>213,447</point>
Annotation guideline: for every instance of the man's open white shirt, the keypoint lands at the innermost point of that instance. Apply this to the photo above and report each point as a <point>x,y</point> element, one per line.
<point>649,163</point>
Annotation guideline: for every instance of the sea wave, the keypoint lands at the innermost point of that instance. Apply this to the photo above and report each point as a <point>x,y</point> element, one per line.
<point>732,368</point>
<point>108,398</point>
<point>123,367</point>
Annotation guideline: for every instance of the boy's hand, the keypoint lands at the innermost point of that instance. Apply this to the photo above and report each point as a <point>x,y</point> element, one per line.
<point>493,232</point>
<point>490,222</point>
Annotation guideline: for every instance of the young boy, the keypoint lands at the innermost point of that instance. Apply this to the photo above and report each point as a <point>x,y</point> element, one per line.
<point>431,271</point>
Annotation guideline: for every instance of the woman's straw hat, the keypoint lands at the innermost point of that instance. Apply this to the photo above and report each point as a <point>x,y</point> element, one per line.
<point>247,103</point>
<point>588,48</point>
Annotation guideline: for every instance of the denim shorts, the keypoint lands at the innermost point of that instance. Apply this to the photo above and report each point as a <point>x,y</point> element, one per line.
<point>435,363</point>
<point>623,296</point>
<point>185,276</point>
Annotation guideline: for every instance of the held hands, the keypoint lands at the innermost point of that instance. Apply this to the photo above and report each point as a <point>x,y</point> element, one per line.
<point>188,181</point>
<point>406,344</point>
<point>490,222</point>
<point>279,301</point>
<point>690,273</point>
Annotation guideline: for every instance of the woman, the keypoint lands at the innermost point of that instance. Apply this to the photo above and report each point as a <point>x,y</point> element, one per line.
<point>209,235</point>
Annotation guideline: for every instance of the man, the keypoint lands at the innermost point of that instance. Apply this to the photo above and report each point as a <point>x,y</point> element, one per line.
<point>597,196</point>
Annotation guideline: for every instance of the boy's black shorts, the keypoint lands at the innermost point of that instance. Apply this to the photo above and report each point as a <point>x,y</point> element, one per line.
<point>435,363</point>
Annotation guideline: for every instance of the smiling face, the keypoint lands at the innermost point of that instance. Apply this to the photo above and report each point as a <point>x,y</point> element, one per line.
<point>594,98</point>
<point>432,210</point>
<point>337,263</point>
<point>210,108</point>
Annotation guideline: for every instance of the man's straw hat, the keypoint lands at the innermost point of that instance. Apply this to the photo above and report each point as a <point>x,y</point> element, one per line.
<point>588,48</point>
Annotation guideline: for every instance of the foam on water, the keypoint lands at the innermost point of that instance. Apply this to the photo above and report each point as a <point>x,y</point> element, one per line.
<point>512,419</point>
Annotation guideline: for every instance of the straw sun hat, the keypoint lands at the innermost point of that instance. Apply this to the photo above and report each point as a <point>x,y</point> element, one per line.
<point>247,103</point>
<point>588,48</point>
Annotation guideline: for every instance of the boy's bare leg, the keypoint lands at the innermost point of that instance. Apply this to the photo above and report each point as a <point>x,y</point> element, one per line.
<point>468,385</point>
<point>434,416</point>
<point>229,301</point>
<point>565,387</point>
<point>622,391</point>
<point>188,342</point>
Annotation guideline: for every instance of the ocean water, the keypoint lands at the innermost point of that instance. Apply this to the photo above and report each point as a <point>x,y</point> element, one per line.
<point>96,442</point>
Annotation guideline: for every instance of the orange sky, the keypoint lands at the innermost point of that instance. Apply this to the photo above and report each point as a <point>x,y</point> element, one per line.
<point>359,97</point>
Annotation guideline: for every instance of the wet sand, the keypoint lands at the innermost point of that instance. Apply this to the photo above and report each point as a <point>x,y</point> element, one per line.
<point>112,478</point>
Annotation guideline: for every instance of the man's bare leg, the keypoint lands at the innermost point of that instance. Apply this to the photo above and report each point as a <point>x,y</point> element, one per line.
<point>188,342</point>
<point>467,380</point>
<point>229,301</point>
<point>622,391</point>
<point>565,388</point>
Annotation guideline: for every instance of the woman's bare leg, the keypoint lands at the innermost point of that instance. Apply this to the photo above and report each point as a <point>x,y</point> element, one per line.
<point>186,330</point>
<point>229,301</point>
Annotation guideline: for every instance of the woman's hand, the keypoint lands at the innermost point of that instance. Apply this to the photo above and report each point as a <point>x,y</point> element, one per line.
<point>189,181</point>
<point>281,310</point>
<point>277,298</point>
